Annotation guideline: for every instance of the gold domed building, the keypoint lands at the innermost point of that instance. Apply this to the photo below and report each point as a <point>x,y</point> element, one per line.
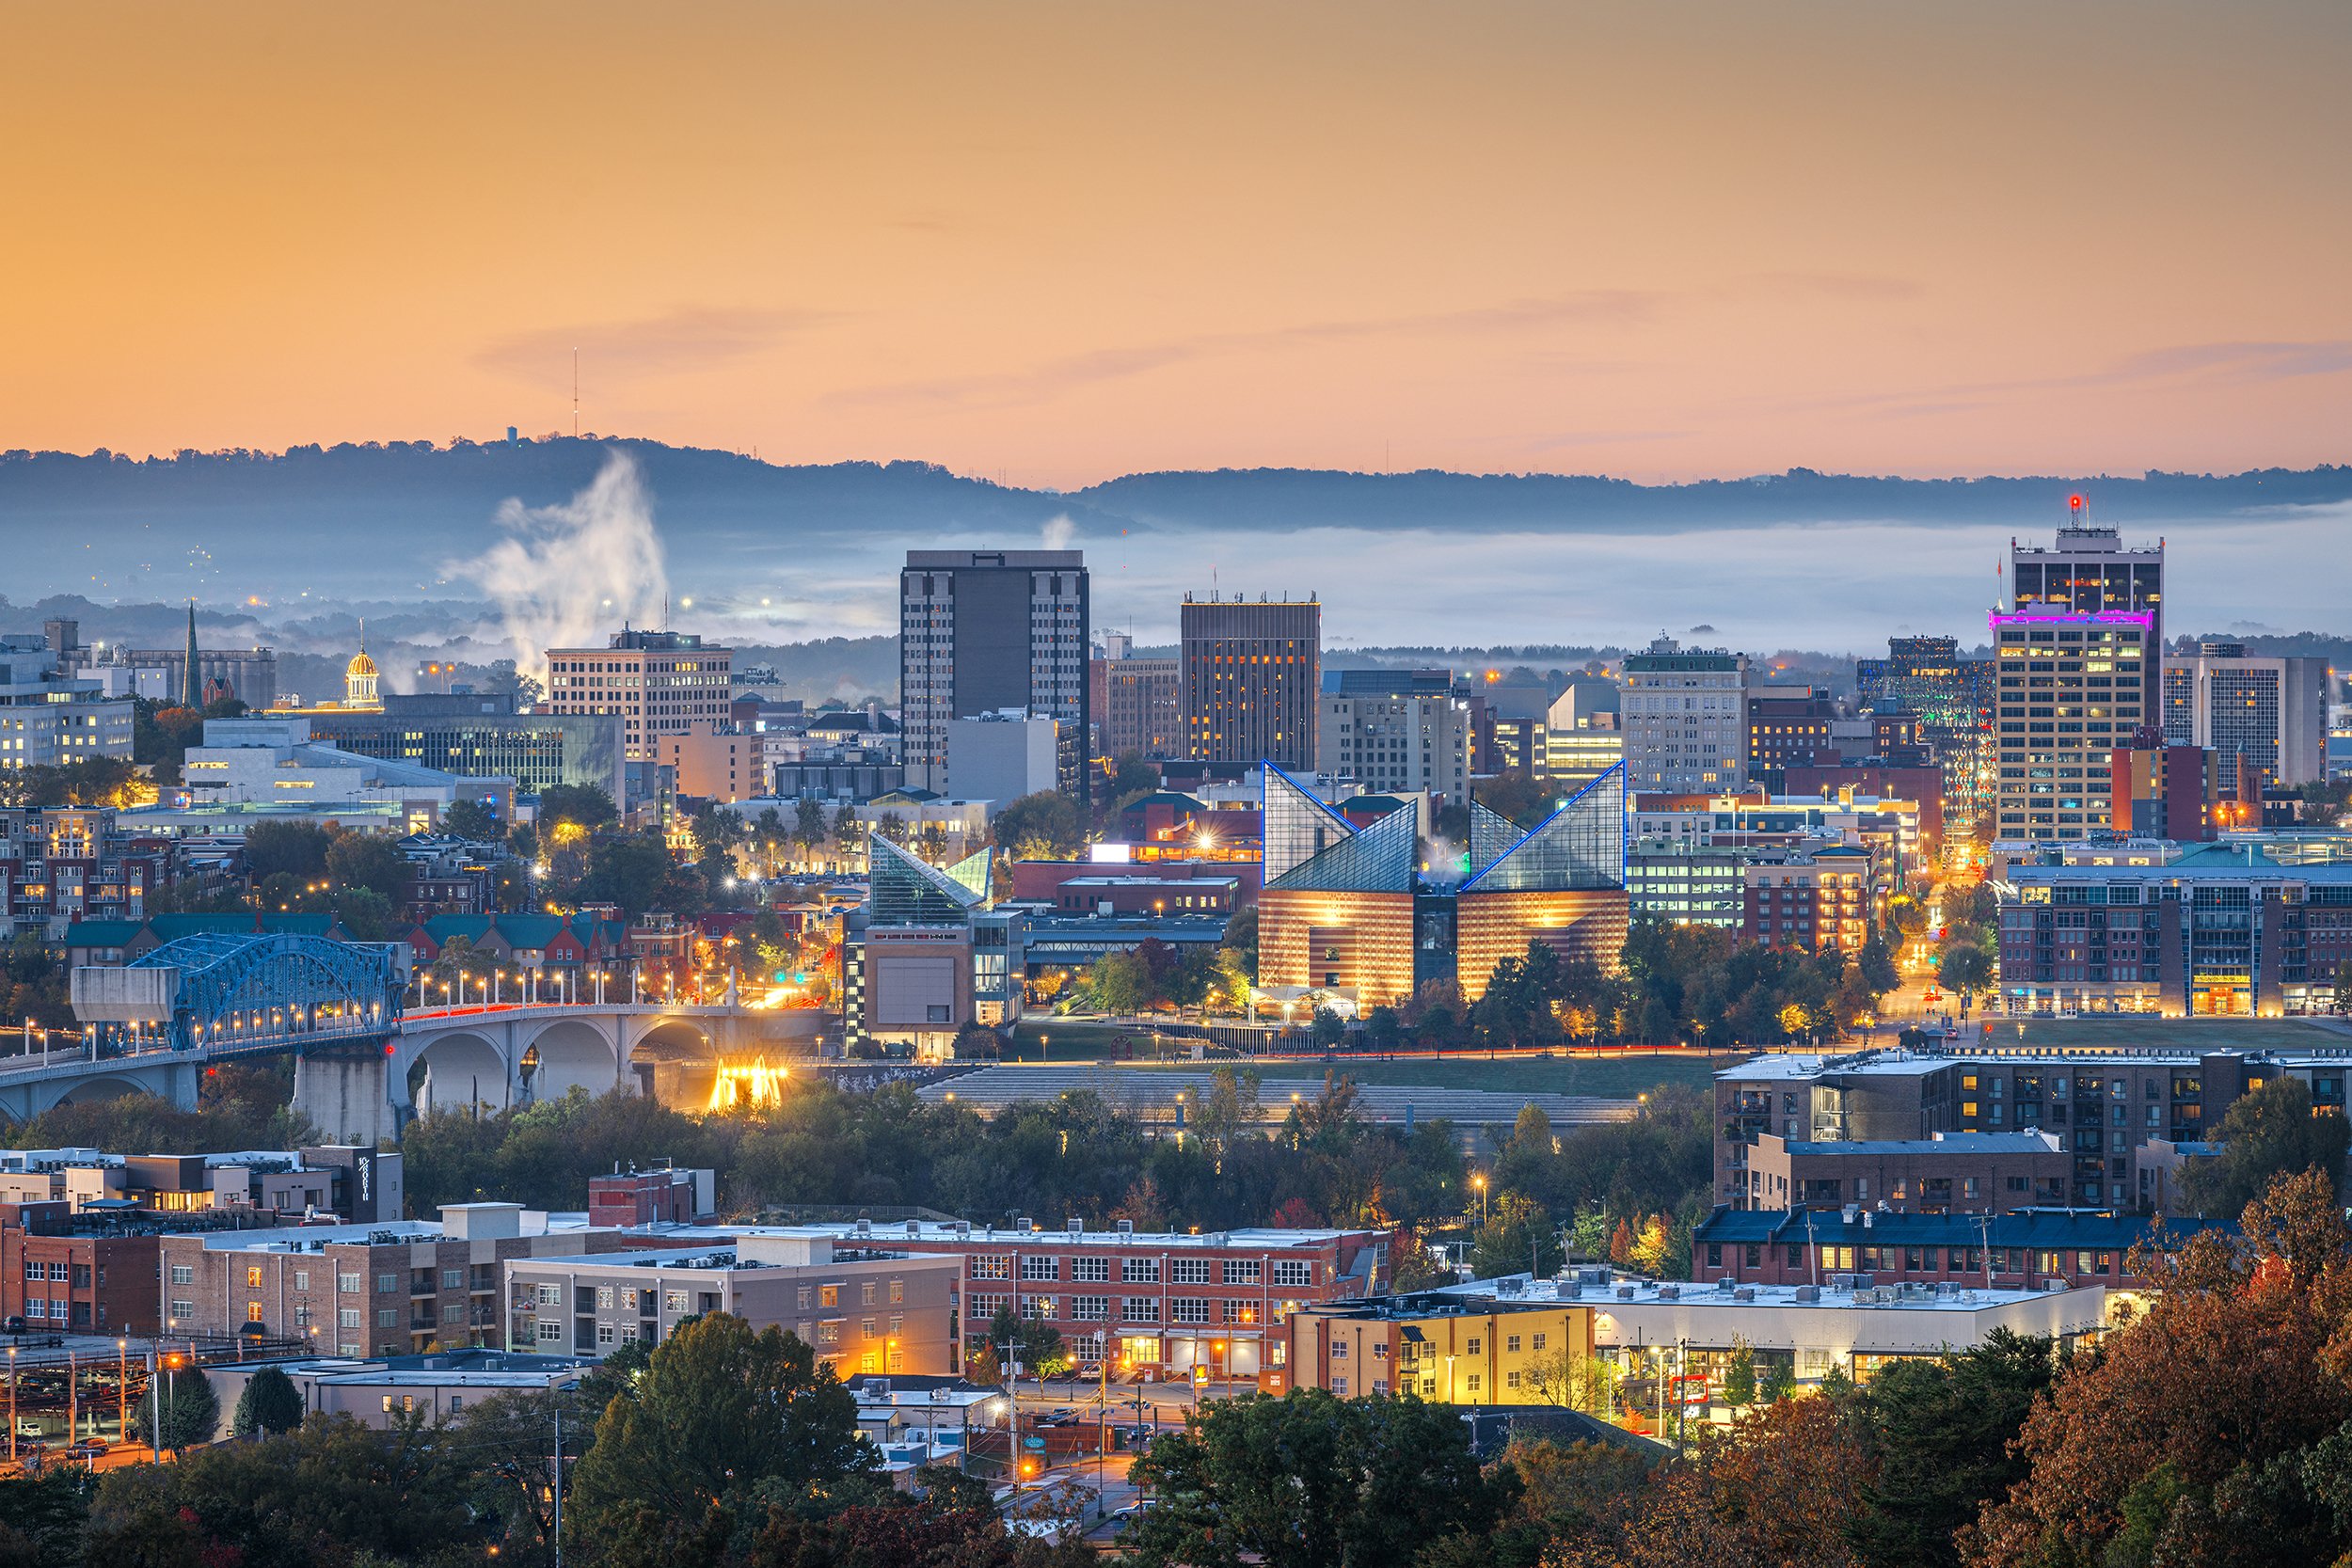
<point>359,683</point>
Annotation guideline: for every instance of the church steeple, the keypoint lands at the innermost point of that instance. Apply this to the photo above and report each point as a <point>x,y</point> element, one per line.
<point>191,682</point>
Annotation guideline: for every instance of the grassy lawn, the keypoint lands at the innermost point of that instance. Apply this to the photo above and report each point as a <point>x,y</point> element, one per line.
<point>2207,1033</point>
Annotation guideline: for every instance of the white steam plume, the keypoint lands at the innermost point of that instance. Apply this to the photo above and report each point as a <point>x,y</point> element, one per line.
<point>564,576</point>
<point>1060,530</point>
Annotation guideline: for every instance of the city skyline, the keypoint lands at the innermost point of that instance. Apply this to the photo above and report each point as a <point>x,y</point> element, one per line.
<point>1054,245</point>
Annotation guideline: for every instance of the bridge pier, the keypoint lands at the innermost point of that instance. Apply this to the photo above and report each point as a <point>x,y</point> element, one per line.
<point>345,1096</point>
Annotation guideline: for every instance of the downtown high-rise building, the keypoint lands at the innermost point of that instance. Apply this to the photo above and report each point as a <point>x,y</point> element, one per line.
<point>1685,715</point>
<point>2079,651</point>
<point>658,684</point>
<point>1252,677</point>
<point>981,632</point>
<point>2089,571</point>
<point>2273,712</point>
<point>1953,699</point>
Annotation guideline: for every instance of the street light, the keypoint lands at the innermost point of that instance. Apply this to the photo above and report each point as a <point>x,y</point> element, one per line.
<point>1480,1183</point>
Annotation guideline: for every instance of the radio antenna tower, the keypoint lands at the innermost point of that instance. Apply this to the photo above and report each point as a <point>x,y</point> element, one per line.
<point>575,394</point>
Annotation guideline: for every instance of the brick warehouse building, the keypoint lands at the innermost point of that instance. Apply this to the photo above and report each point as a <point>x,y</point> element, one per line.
<point>1155,1300</point>
<point>2023,1249</point>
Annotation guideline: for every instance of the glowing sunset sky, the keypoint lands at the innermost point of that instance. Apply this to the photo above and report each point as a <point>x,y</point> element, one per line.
<point>1064,241</point>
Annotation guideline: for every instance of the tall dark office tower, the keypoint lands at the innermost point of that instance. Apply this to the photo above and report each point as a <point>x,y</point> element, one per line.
<point>981,631</point>
<point>2087,573</point>
<point>1252,675</point>
<point>1954,698</point>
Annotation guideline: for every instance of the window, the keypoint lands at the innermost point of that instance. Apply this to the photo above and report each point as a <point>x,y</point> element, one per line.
<point>1091,1309</point>
<point>828,1296</point>
<point>1090,1271</point>
<point>387,1283</point>
<point>1189,1309</point>
<point>1511,1344</point>
<point>1293,1273</point>
<point>1539,1340</point>
<point>866,1292</point>
<point>253,1277</point>
<point>991,1268</point>
<point>1036,1266</point>
<point>182,1273</point>
<point>1244,1271</point>
<point>348,1317</point>
<point>453,1313</point>
<point>604,1295</point>
<point>387,1317</point>
<point>1240,1311</point>
<point>674,1301</point>
<point>829,1332</point>
<point>302,1279</point>
<point>550,1295</point>
<point>452,1279</point>
<point>549,1330</point>
<point>1474,1347</point>
<point>1139,1271</point>
<point>1473,1381</point>
<point>897,1291</point>
<point>1188,1270</point>
<point>1141,1309</point>
<point>804,1294</point>
<point>179,1308</point>
<point>1037,1308</point>
<point>253,1311</point>
<point>866,1330</point>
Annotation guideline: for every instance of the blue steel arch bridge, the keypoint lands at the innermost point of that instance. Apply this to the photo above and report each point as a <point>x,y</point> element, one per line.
<point>229,996</point>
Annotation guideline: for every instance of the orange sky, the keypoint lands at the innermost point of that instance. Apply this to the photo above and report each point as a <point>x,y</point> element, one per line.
<point>1064,241</point>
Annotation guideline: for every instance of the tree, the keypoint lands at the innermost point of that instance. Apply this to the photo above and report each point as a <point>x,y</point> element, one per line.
<point>1044,825</point>
<point>628,869</point>
<point>1779,1381</point>
<point>295,849</point>
<point>848,836</point>
<point>721,1412</point>
<point>1558,1375</point>
<point>1327,1029</point>
<point>1943,1434</point>
<point>366,913</point>
<point>2216,1429</point>
<point>1740,1374</point>
<point>931,843</point>
<point>1310,1480</point>
<point>472,820</point>
<point>270,1404</point>
<point>189,1410</point>
<point>1967,968</point>
<point>584,806</point>
<point>369,860</point>
<point>2270,1133</point>
<point>808,827</point>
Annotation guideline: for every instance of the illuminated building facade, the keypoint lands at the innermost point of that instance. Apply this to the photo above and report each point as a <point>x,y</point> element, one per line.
<point>928,953</point>
<point>1562,883</point>
<point>1252,673</point>
<point>2073,688</point>
<point>1337,910</point>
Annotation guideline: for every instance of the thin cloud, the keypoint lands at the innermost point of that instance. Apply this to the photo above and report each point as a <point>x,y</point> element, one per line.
<point>2249,361</point>
<point>1060,376</point>
<point>1834,285</point>
<point>689,339</point>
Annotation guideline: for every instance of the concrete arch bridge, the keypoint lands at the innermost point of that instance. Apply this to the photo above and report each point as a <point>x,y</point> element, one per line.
<point>363,1065</point>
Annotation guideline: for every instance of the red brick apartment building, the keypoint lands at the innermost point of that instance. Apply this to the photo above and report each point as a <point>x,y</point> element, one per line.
<point>1158,1301</point>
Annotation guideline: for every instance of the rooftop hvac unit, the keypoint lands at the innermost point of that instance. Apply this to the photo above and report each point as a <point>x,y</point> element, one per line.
<point>1669,1292</point>
<point>1808,1292</point>
<point>915,1227</point>
<point>1077,1228</point>
<point>1746,1292</point>
<point>864,1228</point>
<point>1625,1292</point>
<point>1725,1282</point>
<point>1024,1223</point>
<point>964,1228</point>
<point>1568,1290</point>
<point>1126,1230</point>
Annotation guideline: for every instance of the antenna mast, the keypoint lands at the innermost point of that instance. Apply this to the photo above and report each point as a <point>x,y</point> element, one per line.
<point>575,394</point>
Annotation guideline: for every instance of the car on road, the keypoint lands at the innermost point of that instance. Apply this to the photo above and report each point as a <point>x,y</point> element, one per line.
<point>89,1449</point>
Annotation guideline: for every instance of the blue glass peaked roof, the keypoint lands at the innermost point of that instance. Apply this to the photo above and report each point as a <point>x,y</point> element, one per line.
<point>974,872</point>
<point>903,891</point>
<point>1491,836</point>
<point>1377,860</point>
<point>1582,845</point>
<point>1297,826</point>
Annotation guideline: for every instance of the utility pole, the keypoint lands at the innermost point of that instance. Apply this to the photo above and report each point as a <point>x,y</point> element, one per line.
<point>559,1478</point>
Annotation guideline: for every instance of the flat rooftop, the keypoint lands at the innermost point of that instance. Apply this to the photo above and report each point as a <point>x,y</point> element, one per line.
<point>1519,1290</point>
<point>1943,1143</point>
